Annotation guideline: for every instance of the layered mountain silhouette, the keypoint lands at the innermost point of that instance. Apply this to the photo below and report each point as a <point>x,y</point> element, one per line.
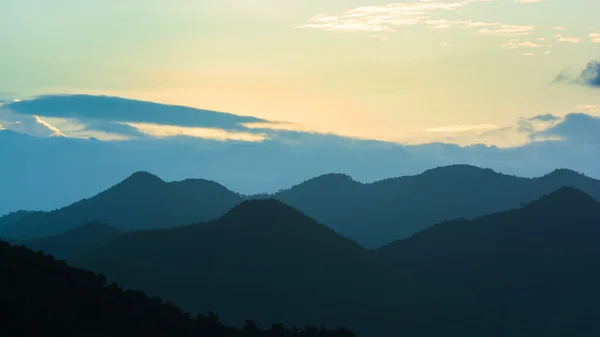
<point>531,271</point>
<point>142,201</point>
<point>535,267</point>
<point>264,258</point>
<point>76,241</point>
<point>371,214</point>
<point>40,296</point>
<point>378,213</point>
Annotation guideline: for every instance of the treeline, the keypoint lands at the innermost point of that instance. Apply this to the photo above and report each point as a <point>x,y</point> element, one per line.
<point>40,296</point>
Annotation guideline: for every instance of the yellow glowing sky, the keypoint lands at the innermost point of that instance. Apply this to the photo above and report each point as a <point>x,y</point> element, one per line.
<point>410,72</point>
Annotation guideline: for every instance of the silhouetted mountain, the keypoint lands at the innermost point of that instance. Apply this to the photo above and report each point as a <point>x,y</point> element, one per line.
<point>40,296</point>
<point>375,214</point>
<point>76,241</point>
<point>262,258</point>
<point>142,201</point>
<point>536,266</point>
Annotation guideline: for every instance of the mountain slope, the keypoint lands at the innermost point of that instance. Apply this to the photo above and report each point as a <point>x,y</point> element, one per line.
<point>40,296</point>
<point>142,201</point>
<point>76,241</point>
<point>262,258</point>
<point>378,213</point>
<point>537,266</point>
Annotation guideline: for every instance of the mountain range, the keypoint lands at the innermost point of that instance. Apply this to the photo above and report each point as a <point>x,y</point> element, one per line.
<point>530,271</point>
<point>536,267</point>
<point>262,257</point>
<point>142,201</point>
<point>371,214</point>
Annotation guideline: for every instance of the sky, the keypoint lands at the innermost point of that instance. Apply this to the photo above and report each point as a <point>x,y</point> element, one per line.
<point>261,95</point>
<point>414,72</point>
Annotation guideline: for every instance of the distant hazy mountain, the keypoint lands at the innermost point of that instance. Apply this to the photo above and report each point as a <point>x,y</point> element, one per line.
<point>44,297</point>
<point>142,201</point>
<point>262,258</point>
<point>371,214</point>
<point>536,266</point>
<point>76,241</point>
<point>378,213</point>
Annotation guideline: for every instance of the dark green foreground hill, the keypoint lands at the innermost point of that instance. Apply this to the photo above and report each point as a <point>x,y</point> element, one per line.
<point>76,241</point>
<point>528,272</point>
<point>40,296</point>
<point>537,268</point>
<point>264,258</point>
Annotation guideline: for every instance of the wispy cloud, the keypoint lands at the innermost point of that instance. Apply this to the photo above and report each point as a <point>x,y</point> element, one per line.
<point>463,128</point>
<point>594,37</point>
<point>589,107</point>
<point>56,131</point>
<point>517,45</point>
<point>163,131</point>
<point>589,77</point>
<point>560,38</point>
<point>384,18</point>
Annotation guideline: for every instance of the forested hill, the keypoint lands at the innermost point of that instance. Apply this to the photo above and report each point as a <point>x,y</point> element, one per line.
<point>40,296</point>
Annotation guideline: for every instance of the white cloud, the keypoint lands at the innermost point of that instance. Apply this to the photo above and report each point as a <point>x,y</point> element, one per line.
<point>560,38</point>
<point>507,30</point>
<point>528,54</point>
<point>517,45</point>
<point>276,126</point>
<point>464,128</point>
<point>547,52</point>
<point>558,28</point>
<point>384,18</point>
<point>56,131</point>
<point>528,1</point>
<point>446,44</point>
<point>589,107</point>
<point>163,131</point>
<point>595,37</point>
<point>1,127</point>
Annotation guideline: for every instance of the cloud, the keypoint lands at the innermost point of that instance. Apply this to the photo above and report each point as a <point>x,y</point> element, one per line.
<point>463,128</point>
<point>162,131</point>
<point>594,37</point>
<point>589,77</point>
<point>55,132</point>
<point>532,125</point>
<point>560,38</point>
<point>114,109</point>
<point>528,54</point>
<point>545,118</point>
<point>576,127</point>
<point>528,1</point>
<point>517,45</point>
<point>589,107</point>
<point>384,19</point>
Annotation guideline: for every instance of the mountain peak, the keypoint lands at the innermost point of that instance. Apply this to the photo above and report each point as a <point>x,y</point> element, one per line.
<point>143,177</point>
<point>262,208</point>
<point>567,195</point>
<point>458,168</point>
